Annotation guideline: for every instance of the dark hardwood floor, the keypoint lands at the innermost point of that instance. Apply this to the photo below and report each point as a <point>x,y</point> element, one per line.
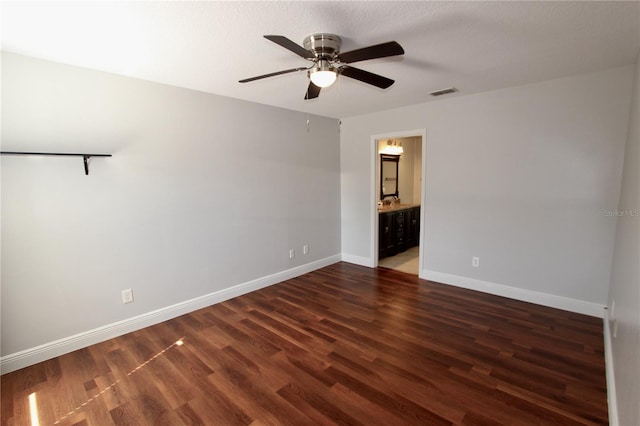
<point>341,345</point>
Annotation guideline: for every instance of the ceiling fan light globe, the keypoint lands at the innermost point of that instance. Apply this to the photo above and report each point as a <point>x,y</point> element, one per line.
<point>323,78</point>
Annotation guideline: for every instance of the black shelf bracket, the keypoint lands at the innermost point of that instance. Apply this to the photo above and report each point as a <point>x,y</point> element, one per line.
<point>85,157</point>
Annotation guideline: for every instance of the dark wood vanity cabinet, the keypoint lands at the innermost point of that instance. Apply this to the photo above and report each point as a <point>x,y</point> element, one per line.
<point>413,227</point>
<point>399,230</point>
<point>386,244</point>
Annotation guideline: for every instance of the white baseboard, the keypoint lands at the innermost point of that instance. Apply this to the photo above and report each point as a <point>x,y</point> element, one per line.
<point>545,299</point>
<point>59,347</point>
<point>358,260</point>
<point>612,398</point>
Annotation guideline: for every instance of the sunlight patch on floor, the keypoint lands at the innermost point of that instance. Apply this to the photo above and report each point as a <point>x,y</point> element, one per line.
<point>33,409</point>
<point>178,342</point>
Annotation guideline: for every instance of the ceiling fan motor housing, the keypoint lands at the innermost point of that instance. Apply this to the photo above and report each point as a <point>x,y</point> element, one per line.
<point>325,46</point>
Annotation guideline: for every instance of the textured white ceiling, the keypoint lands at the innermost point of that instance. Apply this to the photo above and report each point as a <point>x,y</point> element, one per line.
<point>209,46</point>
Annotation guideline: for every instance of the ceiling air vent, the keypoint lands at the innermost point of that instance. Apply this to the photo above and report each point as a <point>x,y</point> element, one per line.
<point>444,91</point>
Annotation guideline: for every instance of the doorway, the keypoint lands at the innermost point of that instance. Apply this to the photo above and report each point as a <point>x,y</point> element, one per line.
<point>399,200</point>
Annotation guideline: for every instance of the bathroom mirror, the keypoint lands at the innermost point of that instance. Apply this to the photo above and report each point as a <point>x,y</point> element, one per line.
<point>389,175</point>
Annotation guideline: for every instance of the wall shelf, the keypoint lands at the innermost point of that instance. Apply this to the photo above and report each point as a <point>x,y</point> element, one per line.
<point>85,157</point>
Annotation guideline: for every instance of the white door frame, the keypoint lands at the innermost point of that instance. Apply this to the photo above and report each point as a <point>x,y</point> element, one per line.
<point>373,194</point>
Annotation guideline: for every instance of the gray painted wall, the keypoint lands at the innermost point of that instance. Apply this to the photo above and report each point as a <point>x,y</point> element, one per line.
<point>202,193</point>
<point>519,177</point>
<point>625,276</point>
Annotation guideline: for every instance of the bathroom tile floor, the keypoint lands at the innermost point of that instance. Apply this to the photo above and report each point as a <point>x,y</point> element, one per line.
<point>406,261</point>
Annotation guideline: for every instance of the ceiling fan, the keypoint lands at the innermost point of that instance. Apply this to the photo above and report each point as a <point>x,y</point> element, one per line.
<point>323,50</point>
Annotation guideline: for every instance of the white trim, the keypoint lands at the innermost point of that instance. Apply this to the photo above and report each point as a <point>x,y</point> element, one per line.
<point>612,398</point>
<point>358,260</point>
<point>59,347</point>
<point>545,299</point>
<point>373,200</point>
<point>422,241</point>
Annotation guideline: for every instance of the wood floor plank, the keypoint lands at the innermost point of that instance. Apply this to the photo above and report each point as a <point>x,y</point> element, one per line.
<point>341,345</point>
<point>254,392</point>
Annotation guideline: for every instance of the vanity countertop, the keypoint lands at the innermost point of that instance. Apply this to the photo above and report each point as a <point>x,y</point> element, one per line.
<point>396,207</point>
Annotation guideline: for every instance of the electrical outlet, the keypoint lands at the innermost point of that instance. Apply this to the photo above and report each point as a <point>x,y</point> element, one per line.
<point>475,262</point>
<point>292,253</point>
<point>305,249</point>
<point>127,296</point>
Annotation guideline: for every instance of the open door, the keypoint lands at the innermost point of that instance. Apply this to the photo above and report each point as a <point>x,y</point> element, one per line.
<point>398,200</point>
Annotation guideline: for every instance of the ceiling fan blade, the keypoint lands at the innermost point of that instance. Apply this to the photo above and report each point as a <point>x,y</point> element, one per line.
<point>366,77</point>
<point>290,45</point>
<point>312,91</point>
<point>383,50</point>
<point>246,80</point>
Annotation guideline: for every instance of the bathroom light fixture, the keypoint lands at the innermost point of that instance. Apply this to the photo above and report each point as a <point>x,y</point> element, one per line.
<point>323,74</point>
<point>393,147</point>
